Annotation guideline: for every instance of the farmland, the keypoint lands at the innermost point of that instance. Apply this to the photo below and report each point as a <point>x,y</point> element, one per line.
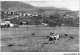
<point>22,40</point>
<point>25,28</point>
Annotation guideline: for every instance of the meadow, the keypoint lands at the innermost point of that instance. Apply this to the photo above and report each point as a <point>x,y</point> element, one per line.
<point>22,40</point>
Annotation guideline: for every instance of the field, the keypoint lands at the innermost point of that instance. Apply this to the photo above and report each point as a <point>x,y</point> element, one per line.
<point>22,40</point>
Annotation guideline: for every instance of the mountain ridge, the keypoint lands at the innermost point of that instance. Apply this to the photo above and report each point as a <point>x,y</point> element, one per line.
<point>7,5</point>
<point>21,6</point>
<point>13,5</point>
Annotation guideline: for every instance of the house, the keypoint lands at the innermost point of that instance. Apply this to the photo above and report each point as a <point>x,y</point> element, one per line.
<point>24,23</point>
<point>11,25</point>
<point>19,14</point>
<point>25,14</point>
<point>29,14</point>
<point>12,13</point>
<point>44,24</point>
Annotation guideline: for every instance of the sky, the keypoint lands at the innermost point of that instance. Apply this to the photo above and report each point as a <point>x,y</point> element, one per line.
<point>69,4</point>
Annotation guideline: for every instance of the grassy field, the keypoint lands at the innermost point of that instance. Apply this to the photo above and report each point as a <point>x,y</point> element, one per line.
<point>22,40</point>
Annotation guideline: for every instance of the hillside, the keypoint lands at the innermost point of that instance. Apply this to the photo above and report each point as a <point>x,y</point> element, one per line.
<point>20,6</point>
<point>15,6</point>
<point>73,13</point>
<point>51,15</point>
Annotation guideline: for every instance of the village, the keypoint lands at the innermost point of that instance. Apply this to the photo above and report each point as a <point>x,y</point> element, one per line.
<point>8,16</point>
<point>16,19</point>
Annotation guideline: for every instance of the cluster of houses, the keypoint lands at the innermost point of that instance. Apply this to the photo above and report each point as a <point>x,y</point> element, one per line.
<point>11,15</point>
<point>9,24</point>
<point>6,24</point>
<point>19,13</point>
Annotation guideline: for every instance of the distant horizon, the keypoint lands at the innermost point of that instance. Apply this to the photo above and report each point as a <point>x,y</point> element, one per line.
<point>67,4</point>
